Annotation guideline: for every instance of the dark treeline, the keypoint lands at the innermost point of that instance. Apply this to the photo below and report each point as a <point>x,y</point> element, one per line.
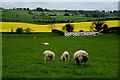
<point>112,30</point>
<point>98,13</point>
<point>37,9</point>
<point>81,11</point>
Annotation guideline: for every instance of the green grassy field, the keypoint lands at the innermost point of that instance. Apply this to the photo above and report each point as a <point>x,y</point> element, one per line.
<point>24,16</point>
<point>23,56</point>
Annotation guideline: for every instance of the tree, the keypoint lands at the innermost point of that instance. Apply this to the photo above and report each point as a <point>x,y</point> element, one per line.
<point>28,9</point>
<point>28,30</point>
<point>19,30</point>
<point>68,28</point>
<point>39,9</point>
<point>30,12</point>
<point>52,26</point>
<point>91,28</point>
<point>46,9</point>
<point>24,9</point>
<point>98,25</point>
<point>66,10</point>
<point>58,32</point>
<point>105,26</point>
<point>66,14</point>
<point>11,29</point>
<point>81,30</point>
<point>103,10</point>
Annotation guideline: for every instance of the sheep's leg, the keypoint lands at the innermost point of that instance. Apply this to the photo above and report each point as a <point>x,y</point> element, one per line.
<point>65,59</point>
<point>53,58</point>
<point>68,58</point>
<point>77,61</point>
<point>84,63</point>
<point>85,60</point>
<point>45,58</point>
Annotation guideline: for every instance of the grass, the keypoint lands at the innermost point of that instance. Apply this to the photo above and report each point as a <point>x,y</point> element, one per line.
<point>24,16</point>
<point>23,56</point>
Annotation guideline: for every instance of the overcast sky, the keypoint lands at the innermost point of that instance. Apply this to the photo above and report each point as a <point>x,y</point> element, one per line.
<point>69,4</point>
<point>59,0</point>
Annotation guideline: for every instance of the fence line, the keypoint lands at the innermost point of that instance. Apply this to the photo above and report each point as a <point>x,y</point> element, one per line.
<point>80,33</point>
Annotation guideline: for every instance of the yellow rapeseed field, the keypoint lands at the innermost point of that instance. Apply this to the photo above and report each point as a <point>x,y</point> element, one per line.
<point>8,26</point>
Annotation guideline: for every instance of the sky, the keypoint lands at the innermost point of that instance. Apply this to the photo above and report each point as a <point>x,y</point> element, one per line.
<point>65,4</point>
<point>60,0</point>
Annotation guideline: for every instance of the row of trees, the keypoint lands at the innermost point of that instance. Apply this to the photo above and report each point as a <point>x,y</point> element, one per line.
<point>21,30</point>
<point>43,18</point>
<point>74,11</point>
<point>41,9</point>
<point>99,26</point>
<point>91,13</point>
<point>21,9</point>
<point>53,21</point>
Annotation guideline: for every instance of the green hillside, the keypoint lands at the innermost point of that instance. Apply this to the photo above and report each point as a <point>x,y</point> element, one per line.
<point>54,16</point>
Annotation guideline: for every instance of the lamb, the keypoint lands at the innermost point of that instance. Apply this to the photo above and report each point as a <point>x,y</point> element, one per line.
<point>45,43</point>
<point>80,57</point>
<point>65,56</point>
<point>49,54</point>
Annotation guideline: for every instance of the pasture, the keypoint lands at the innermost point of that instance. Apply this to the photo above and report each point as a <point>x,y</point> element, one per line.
<point>39,17</point>
<point>23,56</point>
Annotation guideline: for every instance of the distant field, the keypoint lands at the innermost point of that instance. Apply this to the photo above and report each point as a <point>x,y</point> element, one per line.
<point>22,56</point>
<point>8,26</point>
<point>40,17</point>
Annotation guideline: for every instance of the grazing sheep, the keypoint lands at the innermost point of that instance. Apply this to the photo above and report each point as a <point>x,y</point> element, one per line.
<point>80,57</point>
<point>49,54</point>
<point>46,44</point>
<point>65,56</point>
<point>34,37</point>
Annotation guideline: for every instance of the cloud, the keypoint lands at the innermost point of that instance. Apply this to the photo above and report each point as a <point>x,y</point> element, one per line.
<point>64,5</point>
<point>60,0</point>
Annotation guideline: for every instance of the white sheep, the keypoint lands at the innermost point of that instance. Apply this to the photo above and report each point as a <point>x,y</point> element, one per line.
<point>45,43</point>
<point>34,37</point>
<point>49,54</point>
<point>65,56</point>
<point>80,57</point>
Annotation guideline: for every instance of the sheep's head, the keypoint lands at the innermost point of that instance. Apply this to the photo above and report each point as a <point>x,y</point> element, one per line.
<point>62,58</point>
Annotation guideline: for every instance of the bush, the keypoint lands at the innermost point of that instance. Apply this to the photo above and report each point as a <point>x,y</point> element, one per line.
<point>81,31</point>
<point>66,14</point>
<point>68,28</point>
<point>28,30</point>
<point>19,30</point>
<point>58,32</point>
<point>52,14</point>
<point>111,30</point>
